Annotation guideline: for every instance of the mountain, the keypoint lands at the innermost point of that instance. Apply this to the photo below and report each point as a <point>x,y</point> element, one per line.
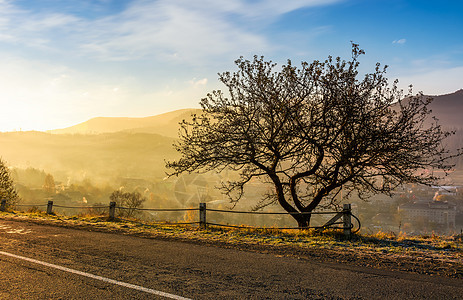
<point>164,124</point>
<point>101,148</point>
<point>138,147</point>
<point>448,109</point>
<point>97,156</point>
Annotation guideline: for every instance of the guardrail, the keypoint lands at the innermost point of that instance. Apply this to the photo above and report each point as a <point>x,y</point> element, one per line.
<point>343,217</point>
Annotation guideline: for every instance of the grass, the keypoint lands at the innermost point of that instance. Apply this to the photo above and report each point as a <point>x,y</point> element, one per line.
<point>430,254</point>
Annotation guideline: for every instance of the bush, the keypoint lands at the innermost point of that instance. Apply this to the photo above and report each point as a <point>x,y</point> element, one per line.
<point>7,189</point>
<point>127,203</point>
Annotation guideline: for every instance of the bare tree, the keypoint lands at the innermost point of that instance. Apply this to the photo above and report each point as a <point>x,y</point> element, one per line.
<point>312,131</point>
<point>129,201</point>
<point>7,189</point>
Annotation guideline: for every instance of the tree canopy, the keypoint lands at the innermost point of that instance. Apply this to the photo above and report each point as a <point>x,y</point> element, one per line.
<point>7,189</point>
<point>312,131</point>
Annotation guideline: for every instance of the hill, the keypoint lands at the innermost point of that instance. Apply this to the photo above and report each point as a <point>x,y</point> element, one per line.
<point>164,124</point>
<point>99,156</point>
<point>105,148</point>
<point>448,109</point>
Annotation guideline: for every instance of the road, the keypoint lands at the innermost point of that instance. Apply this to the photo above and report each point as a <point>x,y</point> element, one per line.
<point>185,270</point>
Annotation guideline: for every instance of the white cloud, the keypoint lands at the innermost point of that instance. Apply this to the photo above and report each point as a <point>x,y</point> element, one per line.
<point>401,41</point>
<point>167,30</point>
<point>39,93</point>
<point>48,22</point>
<point>273,8</point>
<point>198,82</point>
<point>186,31</point>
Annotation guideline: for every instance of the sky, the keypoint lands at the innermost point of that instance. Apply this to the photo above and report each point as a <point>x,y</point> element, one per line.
<point>63,62</point>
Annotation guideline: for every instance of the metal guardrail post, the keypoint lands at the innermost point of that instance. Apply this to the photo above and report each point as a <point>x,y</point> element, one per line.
<point>346,220</point>
<point>112,210</point>
<point>49,207</point>
<point>202,215</point>
<point>3,205</point>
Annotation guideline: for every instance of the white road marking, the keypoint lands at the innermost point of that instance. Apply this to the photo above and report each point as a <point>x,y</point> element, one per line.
<point>121,283</point>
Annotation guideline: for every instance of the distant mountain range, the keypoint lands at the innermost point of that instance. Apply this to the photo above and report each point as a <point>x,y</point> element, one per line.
<point>100,148</point>
<point>447,108</point>
<point>164,124</point>
<point>138,147</point>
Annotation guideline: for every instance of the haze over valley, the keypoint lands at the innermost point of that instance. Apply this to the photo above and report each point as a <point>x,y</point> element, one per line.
<point>90,160</point>
<point>318,171</point>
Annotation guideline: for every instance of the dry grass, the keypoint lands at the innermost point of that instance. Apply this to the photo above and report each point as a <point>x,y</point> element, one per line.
<point>424,254</point>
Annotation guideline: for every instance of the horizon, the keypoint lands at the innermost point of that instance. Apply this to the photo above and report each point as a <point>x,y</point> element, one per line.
<point>148,116</point>
<point>66,62</point>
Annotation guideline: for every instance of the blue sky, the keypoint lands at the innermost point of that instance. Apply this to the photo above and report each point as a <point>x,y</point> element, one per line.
<point>64,62</point>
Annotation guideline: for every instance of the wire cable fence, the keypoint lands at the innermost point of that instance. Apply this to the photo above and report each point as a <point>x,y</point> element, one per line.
<point>158,209</point>
<point>272,213</point>
<point>343,218</point>
<point>80,207</point>
<point>30,205</point>
<point>345,214</point>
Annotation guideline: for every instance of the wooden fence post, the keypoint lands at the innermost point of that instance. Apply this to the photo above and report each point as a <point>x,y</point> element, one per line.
<point>202,215</point>
<point>112,210</point>
<point>3,205</point>
<point>346,220</point>
<point>49,207</point>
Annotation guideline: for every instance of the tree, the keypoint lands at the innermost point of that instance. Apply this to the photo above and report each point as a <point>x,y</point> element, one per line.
<point>49,184</point>
<point>7,189</point>
<point>312,132</point>
<point>129,201</point>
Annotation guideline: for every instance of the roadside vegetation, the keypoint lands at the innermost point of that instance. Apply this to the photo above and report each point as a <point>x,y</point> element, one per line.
<point>426,254</point>
<point>7,189</point>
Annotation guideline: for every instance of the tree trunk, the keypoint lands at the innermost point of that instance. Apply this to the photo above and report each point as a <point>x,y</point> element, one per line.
<point>303,220</point>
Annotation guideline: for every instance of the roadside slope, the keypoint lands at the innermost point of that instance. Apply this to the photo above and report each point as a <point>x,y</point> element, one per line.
<point>196,271</point>
<point>433,256</point>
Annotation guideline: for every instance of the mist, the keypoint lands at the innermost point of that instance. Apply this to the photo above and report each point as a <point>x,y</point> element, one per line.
<point>83,164</point>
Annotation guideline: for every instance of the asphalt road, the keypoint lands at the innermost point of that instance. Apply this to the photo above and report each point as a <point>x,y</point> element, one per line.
<point>184,269</point>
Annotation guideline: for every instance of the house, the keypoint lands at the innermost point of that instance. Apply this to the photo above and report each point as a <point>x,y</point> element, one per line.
<point>437,212</point>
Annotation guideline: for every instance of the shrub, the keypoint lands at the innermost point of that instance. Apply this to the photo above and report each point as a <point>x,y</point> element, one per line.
<point>7,189</point>
<point>127,203</point>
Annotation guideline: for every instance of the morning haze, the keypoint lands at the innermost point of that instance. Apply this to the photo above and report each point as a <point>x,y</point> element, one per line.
<point>137,162</point>
<point>90,160</point>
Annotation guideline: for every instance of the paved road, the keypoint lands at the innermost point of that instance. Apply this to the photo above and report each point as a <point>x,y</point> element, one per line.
<point>187,270</point>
